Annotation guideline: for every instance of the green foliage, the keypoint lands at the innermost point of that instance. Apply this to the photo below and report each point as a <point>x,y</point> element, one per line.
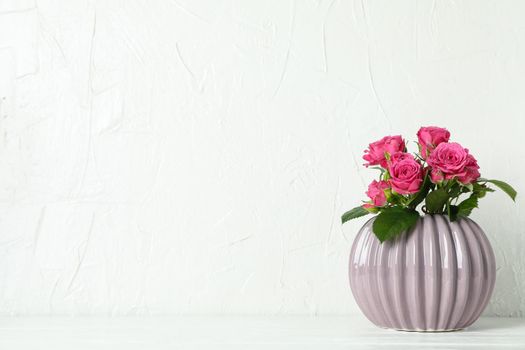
<point>400,212</point>
<point>392,221</point>
<point>421,195</point>
<point>354,213</point>
<point>466,206</point>
<point>452,212</point>
<point>505,187</point>
<point>480,189</point>
<point>436,200</point>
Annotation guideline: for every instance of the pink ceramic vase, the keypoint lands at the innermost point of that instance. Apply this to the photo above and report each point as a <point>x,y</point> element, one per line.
<point>438,276</point>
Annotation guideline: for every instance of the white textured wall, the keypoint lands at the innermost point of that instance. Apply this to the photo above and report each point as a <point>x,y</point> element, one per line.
<point>195,156</point>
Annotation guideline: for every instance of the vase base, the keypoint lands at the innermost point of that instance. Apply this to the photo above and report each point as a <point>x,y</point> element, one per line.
<point>417,330</point>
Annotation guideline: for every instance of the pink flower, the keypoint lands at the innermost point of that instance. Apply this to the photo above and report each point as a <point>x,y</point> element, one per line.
<point>406,176</point>
<point>376,192</point>
<point>375,154</point>
<point>436,176</point>
<point>429,137</point>
<point>471,171</point>
<point>451,160</point>
<point>398,156</point>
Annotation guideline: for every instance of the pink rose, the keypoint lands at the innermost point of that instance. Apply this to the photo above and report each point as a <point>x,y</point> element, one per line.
<point>429,137</point>
<point>398,156</point>
<point>376,192</point>
<point>451,160</point>
<point>436,176</point>
<point>406,176</point>
<point>471,171</point>
<point>375,154</point>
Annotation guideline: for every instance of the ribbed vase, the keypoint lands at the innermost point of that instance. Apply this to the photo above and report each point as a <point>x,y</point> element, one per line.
<point>438,276</point>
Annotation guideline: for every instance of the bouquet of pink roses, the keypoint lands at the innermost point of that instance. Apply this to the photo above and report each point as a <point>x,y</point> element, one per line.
<point>442,174</point>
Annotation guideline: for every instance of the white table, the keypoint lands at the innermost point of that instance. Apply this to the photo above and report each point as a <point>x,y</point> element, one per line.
<point>248,332</point>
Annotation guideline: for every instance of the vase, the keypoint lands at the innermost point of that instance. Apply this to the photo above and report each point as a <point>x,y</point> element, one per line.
<point>436,277</point>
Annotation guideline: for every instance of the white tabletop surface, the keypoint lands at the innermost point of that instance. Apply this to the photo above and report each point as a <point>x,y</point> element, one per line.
<point>247,332</point>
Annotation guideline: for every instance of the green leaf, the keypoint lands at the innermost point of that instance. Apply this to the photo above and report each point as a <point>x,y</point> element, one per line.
<point>354,213</point>
<point>436,200</point>
<point>453,211</point>
<point>466,206</point>
<point>470,187</point>
<point>392,221</point>
<point>505,187</point>
<point>480,190</point>
<point>455,190</point>
<point>420,196</point>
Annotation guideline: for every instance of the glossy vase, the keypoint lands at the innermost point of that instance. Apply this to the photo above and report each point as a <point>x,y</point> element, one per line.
<point>438,276</point>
